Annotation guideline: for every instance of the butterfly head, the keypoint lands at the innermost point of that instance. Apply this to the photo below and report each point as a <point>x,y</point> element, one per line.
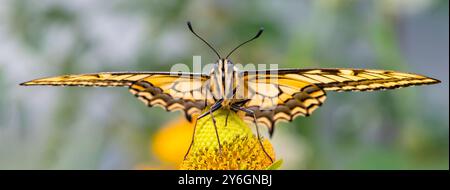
<point>224,74</point>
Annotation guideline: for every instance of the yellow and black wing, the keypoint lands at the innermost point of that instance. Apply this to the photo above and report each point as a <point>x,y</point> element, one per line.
<point>275,98</point>
<point>357,79</point>
<point>172,91</point>
<point>282,95</point>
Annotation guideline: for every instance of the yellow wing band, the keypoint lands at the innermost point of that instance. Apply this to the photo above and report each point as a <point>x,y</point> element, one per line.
<point>95,79</point>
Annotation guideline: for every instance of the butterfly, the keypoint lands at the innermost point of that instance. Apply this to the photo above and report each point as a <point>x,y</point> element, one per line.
<point>264,97</point>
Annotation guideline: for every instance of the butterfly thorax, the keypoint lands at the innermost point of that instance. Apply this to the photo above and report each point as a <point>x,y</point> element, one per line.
<point>224,79</point>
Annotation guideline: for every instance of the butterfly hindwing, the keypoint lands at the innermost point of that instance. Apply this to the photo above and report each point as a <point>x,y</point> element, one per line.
<point>274,98</point>
<point>186,93</point>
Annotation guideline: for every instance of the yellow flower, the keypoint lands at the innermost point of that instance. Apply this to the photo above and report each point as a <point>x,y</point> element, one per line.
<point>240,147</point>
<point>171,142</point>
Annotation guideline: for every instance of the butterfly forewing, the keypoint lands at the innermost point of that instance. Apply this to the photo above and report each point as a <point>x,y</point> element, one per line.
<point>356,79</point>
<point>172,91</point>
<point>106,79</point>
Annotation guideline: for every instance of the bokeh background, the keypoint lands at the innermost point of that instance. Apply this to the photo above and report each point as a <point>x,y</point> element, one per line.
<point>106,128</point>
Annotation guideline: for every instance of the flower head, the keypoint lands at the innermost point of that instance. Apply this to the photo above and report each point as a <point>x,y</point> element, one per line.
<point>241,149</point>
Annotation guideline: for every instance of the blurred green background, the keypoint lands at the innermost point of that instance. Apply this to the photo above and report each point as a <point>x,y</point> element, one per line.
<point>106,128</point>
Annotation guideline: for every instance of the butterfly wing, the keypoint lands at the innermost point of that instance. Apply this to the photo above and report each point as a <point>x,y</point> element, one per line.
<point>282,95</point>
<point>357,79</point>
<point>187,93</point>
<point>275,98</point>
<point>105,79</point>
<point>172,91</point>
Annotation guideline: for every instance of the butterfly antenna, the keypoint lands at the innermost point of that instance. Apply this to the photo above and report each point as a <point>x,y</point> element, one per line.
<point>192,30</point>
<point>261,30</point>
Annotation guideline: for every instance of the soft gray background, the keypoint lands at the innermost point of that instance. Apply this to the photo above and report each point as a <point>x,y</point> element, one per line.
<point>93,128</point>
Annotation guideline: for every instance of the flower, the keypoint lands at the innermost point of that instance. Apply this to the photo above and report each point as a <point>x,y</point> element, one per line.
<point>169,144</point>
<point>241,149</point>
<point>172,141</point>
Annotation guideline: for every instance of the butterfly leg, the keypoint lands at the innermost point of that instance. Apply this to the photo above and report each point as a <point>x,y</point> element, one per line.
<point>214,108</point>
<point>215,128</point>
<point>251,112</point>
<point>192,141</point>
<point>226,118</point>
<point>236,104</point>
